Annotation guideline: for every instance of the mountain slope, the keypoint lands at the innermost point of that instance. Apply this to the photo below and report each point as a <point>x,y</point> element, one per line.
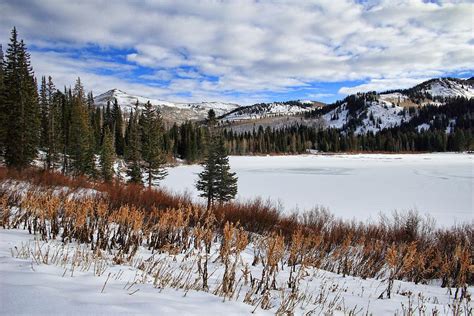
<point>447,88</point>
<point>372,112</point>
<point>275,109</point>
<point>171,111</point>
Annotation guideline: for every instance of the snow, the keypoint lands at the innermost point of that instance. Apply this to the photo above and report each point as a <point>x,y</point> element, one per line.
<point>444,87</point>
<point>340,120</point>
<point>219,107</point>
<point>385,113</point>
<point>259,111</point>
<point>31,286</point>
<point>353,186</point>
<point>423,127</point>
<point>127,102</point>
<point>27,287</point>
<point>395,97</point>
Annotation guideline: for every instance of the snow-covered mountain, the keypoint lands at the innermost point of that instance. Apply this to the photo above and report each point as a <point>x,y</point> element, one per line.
<point>171,111</point>
<point>275,109</point>
<point>447,87</point>
<point>371,116</point>
<point>126,101</point>
<point>370,112</point>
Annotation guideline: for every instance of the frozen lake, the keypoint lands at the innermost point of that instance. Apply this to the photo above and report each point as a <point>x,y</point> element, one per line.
<point>353,186</point>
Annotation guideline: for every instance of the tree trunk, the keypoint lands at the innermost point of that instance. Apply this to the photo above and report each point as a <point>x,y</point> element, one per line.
<point>149,176</point>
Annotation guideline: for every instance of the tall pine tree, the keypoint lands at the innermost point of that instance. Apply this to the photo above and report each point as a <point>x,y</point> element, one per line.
<point>152,144</point>
<point>216,182</point>
<point>117,117</point>
<point>21,102</point>
<point>107,156</point>
<point>133,150</point>
<point>50,126</point>
<point>81,138</point>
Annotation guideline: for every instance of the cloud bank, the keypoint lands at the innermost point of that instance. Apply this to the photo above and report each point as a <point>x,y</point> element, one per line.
<point>243,51</point>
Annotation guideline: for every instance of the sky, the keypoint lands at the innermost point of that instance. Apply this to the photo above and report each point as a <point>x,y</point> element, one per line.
<point>243,51</point>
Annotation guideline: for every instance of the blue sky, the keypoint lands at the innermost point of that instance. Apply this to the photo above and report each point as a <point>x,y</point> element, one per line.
<point>244,51</point>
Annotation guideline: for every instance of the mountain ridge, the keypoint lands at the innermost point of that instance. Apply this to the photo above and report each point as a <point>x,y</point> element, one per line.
<point>361,112</point>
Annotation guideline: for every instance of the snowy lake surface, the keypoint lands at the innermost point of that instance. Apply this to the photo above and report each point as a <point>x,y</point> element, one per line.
<point>352,186</point>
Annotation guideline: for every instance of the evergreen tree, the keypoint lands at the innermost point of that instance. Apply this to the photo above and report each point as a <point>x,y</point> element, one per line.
<point>152,144</point>
<point>81,140</point>
<point>21,101</point>
<point>226,180</point>
<point>132,150</point>
<point>44,109</point>
<point>65,119</point>
<point>107,156</point>
<point>207,182</point>
<point>117,117</point>
<point>53,126</point>
<point>216,182</point>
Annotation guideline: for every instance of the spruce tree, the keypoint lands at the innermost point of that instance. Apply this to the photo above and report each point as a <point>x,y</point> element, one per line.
<point>132,150</point>
<point>81,138</point>
<point>21,101</point>
<point>216,182</point>
<point>65,119</point>
<point>107,156</point>
<point>207,181</point>
<point>44,109</point>
<point>53,124</point>
<point>152,144</point>
<point>118,129</point>
<point>226,180</point>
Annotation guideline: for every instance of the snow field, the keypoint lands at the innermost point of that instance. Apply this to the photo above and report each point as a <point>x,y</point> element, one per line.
<point>356,187</point>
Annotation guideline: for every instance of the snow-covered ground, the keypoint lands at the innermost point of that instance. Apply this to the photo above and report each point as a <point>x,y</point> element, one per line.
<point>51,278</point>
<point>353,186</point>
<point>30,287</point>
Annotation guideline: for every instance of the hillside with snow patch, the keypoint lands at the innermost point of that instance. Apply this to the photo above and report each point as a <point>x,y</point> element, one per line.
<point>171,111</point>
<point>372,117</point>
<point>275,109</point>
<point>448,88</point>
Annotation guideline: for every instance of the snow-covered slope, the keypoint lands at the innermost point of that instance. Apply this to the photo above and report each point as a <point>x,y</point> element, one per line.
<point>372,117</point>
<point>375,112</point>
<point>173,111</point>
<point>126,101</point>
<point>448,87</point>
<point>265,110</point>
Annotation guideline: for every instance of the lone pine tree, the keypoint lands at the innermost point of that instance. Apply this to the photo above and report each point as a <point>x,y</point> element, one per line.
<point>216,182</point>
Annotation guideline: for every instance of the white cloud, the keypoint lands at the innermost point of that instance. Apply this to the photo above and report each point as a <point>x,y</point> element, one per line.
<point>253,47</point>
